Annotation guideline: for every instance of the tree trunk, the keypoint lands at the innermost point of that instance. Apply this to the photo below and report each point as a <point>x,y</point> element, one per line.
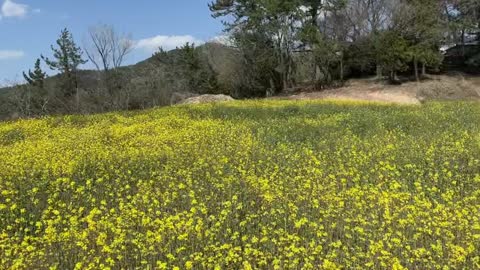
<point>29,102</point>
<point>289,73</point>
<point>127,101</point>
<point>379,72</point>
<point>271,91</point>
<point>415,65</point>
<point>284,67</point>
<point>392,77</point>
<point>285,82</point>
<point>424,69</point>
<point>318,72</point>
<point>77,99</point>
<point>341,70</point>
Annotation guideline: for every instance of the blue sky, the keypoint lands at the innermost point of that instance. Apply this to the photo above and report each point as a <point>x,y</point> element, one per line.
<point>29,27</point>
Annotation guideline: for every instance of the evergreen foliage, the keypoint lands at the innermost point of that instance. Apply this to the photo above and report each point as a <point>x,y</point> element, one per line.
<point>67,57</point>
<point>37,77</point>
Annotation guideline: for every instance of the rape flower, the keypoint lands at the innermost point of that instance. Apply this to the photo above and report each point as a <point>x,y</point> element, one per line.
<point>244,185</point>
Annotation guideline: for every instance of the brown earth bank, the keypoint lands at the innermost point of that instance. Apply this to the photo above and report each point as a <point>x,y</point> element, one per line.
<point>434,87</point>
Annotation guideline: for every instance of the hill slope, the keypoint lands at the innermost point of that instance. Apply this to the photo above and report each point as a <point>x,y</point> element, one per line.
<point>257,184</point>
<point>437,87</point>
<point>146,84</point>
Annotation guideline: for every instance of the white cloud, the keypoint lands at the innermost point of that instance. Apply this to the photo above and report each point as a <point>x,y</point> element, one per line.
<point>12,9</point>
<point>11,54</point>
<point>166,42</point>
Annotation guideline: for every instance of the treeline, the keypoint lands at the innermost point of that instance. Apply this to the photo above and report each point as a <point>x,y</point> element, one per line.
<point>273,46</point>
<point>343,37</point>
<point>73,90</point>
<point>111,86</point>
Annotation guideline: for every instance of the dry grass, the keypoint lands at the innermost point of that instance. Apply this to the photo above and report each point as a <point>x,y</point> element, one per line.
<point>449,88</point>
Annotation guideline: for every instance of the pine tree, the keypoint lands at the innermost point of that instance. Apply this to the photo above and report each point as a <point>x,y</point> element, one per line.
<point>423,28</point>
<point>37,77</point>
<point>277,20</point>
<point>34,96</point>
<point>67,58</point>
<point>189,69</point>
<point>393,53</point>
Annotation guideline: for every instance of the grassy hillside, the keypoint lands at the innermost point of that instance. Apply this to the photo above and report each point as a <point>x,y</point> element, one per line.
<point>242,185</point>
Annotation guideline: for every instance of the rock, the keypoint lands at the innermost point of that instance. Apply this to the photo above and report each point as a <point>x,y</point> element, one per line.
<point>206,99</point>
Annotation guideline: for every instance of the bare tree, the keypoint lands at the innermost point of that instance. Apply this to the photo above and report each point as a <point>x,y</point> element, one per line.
<point>369,16</point>
<point>106,48</point>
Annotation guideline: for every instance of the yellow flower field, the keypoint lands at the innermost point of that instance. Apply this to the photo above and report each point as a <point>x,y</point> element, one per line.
<point>244,185</point>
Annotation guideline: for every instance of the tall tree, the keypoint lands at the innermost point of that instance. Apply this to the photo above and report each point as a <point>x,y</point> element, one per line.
<point>257,74</point>
<point>67,57</point>
<point>188,69</point>
<point>369,18</point>
<point>33,96</point>
<point>421,25</point>
<point>276,19</point>
<point>107,50</point>
<point>393,53</point>
<point>323,34</point>
<point>462,19</point>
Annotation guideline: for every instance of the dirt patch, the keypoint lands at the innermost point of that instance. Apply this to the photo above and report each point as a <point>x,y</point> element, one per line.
<point>450,88</point>
<point>435,88</point>
<point>475,81</point>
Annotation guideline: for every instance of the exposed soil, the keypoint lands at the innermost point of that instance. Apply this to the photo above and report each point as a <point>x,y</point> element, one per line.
<point>475,81</point>
<point>456,87</point>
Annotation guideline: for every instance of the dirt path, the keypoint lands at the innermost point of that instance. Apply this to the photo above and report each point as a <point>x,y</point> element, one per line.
<point>407,93</point>
<point>365,90</point>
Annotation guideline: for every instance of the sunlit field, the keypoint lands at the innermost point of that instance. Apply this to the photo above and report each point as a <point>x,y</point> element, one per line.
<point>244,185</point>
